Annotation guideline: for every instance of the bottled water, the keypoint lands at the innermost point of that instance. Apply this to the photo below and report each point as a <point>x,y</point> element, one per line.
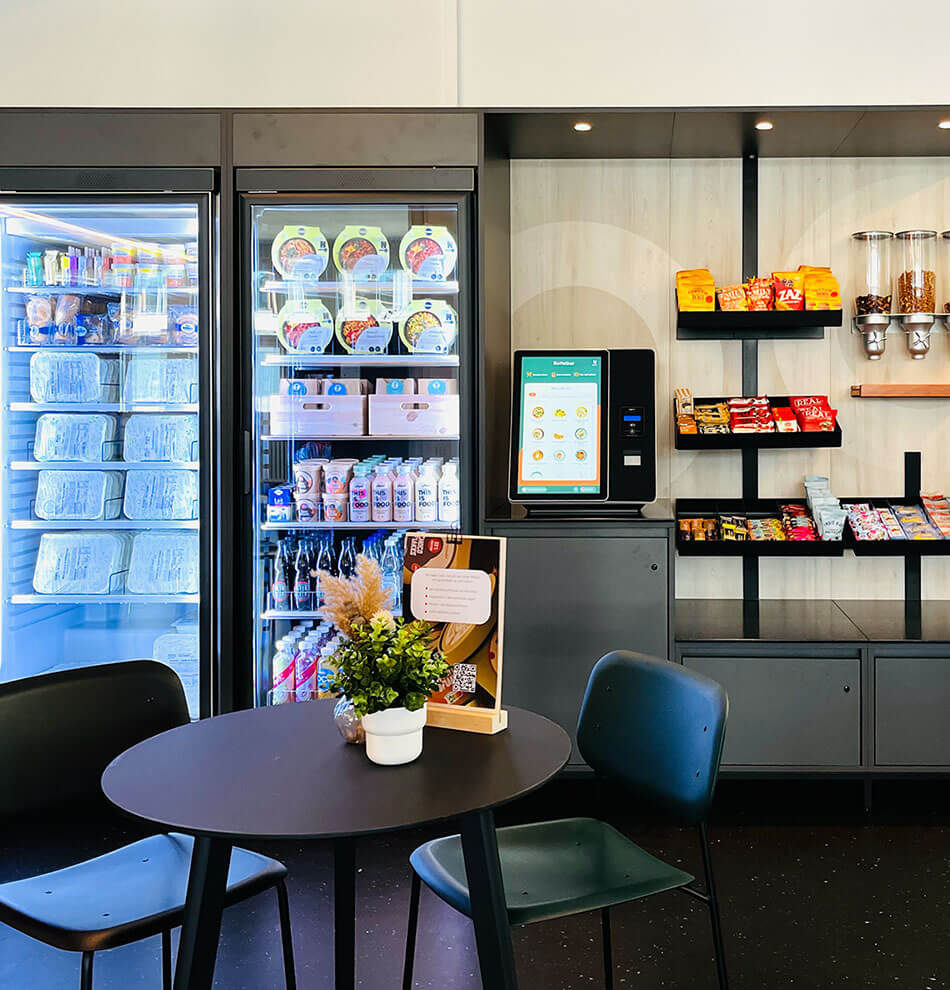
<point>391,567</point>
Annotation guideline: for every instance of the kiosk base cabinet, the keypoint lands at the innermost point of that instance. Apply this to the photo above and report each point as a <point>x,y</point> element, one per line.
<point>569,601</point>
<point>912,711</point>
<point>789,712</point>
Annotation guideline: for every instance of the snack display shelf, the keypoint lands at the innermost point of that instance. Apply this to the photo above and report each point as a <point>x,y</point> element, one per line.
<point>116,407</point>
<point>756,324</point>
<point>361,360</point>
<point>35,599</point>
<point>70,524</point>
<point>690,508</point>
<point>892,548</point>
<point>106,348</point>
<point>422,526</point>
<point>100,290</point>
<point>419,287</point>
<point>377,437</point>
<point>104,465</point>
<point>755,441</point>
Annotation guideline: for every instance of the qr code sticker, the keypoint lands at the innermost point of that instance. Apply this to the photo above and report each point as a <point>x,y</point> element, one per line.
<point>463,677</point>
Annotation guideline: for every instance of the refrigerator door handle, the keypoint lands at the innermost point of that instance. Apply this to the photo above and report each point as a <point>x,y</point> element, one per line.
<point>247,462</point>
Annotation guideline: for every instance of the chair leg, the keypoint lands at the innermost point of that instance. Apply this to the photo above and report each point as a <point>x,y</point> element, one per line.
<point>608,956</point>
<point>85,981</point>
<point>286,936</point>
<point>713,911</point>
<point>411,931</point>
<point>167,960</point>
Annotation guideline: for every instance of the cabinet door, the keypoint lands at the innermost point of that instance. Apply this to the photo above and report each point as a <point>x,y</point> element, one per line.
<point>912,711</point>
<point>789,712</point>
<point>570,601</point>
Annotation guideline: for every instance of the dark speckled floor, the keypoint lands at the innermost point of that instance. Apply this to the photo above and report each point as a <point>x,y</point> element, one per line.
<point>815,895</point>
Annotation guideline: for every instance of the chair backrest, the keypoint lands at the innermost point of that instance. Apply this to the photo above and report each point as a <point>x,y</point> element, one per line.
<point>59,731</point>
<point>656,728</point>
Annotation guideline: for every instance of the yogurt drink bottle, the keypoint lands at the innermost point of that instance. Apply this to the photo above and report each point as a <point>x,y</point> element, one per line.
<point>382,495</point>
<point>404,494</point>
<point>427,495</point>
<point>360,498</point>
<point>449,494</point>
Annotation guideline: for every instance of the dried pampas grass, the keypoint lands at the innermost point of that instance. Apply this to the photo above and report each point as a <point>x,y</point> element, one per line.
<point>349,602</point>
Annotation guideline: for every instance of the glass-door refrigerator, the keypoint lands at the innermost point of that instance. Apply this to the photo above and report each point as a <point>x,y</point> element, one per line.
<point>360,324</point>
<point>106,533</point>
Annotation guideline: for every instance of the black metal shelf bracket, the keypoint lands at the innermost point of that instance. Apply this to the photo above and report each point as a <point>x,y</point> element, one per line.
<point>750,349</point>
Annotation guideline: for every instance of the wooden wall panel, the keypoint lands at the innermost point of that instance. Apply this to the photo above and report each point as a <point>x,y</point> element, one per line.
<point>595,245</point>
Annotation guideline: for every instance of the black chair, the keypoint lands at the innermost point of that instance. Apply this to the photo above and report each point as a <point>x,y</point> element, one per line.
<point>655,729</point>
<point>58,732</point>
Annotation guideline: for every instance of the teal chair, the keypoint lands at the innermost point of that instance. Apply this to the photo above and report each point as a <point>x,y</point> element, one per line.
<point>654,729</point>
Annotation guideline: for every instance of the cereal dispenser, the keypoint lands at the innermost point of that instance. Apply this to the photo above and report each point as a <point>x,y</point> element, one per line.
<point>916,287</point>
<point>943,287</point>
<point>871,269</point>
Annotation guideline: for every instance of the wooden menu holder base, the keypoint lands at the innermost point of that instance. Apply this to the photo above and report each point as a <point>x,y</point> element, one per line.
<point>487,721</point>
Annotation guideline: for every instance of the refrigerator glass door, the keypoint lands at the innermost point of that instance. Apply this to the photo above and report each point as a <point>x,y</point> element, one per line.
<point>358,361</point>
<point>100,483</point>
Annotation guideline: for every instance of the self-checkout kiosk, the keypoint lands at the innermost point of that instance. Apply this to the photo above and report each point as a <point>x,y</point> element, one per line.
<point>583,431</point>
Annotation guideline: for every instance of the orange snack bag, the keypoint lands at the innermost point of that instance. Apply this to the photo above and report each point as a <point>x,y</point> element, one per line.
<point>822,291</point>
<point>732,297</point>
<point>759,292</point>
<point>695,290</point>
<point>789,290</point>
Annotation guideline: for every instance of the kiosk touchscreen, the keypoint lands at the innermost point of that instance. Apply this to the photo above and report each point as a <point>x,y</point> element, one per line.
<point>583,430</point>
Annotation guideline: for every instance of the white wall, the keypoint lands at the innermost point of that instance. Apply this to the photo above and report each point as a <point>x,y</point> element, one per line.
<point>314,53</point>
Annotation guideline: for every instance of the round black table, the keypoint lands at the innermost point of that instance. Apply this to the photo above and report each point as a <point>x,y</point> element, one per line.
<point>285,773</point>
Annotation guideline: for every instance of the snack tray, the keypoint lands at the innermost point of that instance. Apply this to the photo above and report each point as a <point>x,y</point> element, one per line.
<point>754,441</point>
<point>892,548</point>
<point>802,324</point>
<point>693,507</point>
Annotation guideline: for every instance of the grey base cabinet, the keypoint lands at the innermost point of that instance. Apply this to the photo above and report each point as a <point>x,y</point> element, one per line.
<point>789,711</point>
<point>569,600</point>
<point>911,711</point>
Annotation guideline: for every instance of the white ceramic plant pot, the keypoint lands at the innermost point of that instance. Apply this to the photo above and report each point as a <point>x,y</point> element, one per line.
<point>394,736</point>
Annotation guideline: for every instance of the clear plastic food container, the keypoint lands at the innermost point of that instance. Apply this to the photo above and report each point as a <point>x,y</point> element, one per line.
<point>917,281</point>
<point>164,564</point>
<point>90,563</point>
<point>161,495</point>
<point>78,494</point>
<point>161,437</point>
<point>75,437</point>
<point>73,377</point>
<point>871,268</point>
<point>162,378</point>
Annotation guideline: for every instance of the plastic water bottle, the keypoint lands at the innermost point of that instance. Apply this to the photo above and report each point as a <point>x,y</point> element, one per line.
<point>392,575</point>
<point>449,494</point>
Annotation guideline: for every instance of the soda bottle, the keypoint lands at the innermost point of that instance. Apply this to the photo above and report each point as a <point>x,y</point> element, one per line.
<point>280,589</point>
<point>303,586</point>
<point>346,564</point>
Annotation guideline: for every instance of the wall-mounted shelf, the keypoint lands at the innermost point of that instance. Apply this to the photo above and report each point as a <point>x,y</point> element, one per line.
<point>922,391</point>
<point>802,324</point>
<point>761,508</point>
<point>756,441</point>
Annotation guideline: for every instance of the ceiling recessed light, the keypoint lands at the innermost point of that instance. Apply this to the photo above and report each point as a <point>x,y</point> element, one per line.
<point>764,125</point>
<point>583,125</point>
<point>944,125</point>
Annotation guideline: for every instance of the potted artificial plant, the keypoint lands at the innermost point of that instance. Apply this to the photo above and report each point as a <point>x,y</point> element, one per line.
<point>386,667</point>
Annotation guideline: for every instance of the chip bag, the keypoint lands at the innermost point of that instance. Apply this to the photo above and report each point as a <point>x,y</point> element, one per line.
<point>821,291</point>
<point>695,290</point>
<point>759,292</point>
<point>789,290</point>
<point>732,297</point>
